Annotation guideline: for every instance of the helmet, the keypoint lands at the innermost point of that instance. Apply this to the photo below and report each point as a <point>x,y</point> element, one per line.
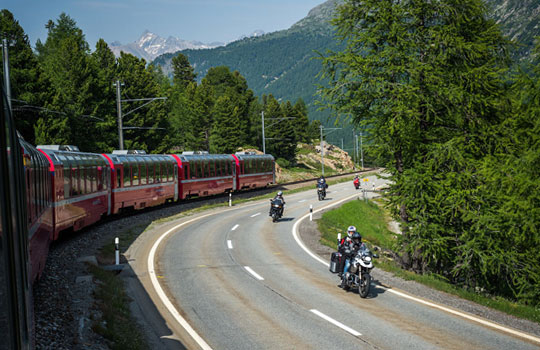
<point>280,193</point>
<point>351,228</point>
<point>356,237</point>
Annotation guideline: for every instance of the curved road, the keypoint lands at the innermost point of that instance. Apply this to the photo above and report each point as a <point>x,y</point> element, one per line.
<point>242,282</point>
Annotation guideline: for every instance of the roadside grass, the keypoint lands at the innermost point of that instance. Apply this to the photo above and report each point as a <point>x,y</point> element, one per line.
<point>371,221</point>
<point>116,325</point>
<point>366,216</point>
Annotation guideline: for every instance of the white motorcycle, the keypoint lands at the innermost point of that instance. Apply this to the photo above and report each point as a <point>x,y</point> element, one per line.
<point>358,275</point>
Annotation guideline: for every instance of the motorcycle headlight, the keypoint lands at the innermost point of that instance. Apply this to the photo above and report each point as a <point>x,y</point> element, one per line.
<point>367,259</point>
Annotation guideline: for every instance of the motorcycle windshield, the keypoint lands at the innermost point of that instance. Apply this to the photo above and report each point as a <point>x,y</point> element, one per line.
<point>277,202</point>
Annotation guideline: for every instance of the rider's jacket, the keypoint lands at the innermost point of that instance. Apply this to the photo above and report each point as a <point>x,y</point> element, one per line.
<point>348,247</point>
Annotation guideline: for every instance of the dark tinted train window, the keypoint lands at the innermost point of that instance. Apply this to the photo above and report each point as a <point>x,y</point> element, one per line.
<point>127,174</point>
<point>170,172</point>
<point>151,170</point>
<point>142,173</point>
<point>135,175</point>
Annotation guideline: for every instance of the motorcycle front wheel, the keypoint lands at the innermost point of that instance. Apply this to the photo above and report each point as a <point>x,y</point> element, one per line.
<point>365,282</point>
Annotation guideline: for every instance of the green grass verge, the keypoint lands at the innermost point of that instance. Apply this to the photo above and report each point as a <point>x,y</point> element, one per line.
<point>116,324</point>
<point>366,216</point>
<point>371,221</point>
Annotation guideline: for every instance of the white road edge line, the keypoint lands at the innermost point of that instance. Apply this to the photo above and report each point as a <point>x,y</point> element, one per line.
<point>302,201</point>
<point>235,227</point>
<point>229,244</point>
<point>255,274</point>
<point>336,323</point>
<point>436,306</point>
<point>168,304</point>
<point>254,215</point>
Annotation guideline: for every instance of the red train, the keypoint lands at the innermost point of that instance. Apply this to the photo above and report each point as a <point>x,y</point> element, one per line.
<point>68,190</point>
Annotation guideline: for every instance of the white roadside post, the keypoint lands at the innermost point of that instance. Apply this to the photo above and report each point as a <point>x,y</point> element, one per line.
<point>311,212</point>
<point>230,199</point>
<point>117,250</point>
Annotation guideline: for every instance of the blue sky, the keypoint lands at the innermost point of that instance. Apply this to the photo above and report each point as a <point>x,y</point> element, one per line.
<point>125,20</point>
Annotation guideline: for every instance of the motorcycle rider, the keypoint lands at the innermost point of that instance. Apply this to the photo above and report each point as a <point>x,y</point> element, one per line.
<point>348,247</point>
<point>356,181</point>
<point>279,196</point>
<point>322,183</point>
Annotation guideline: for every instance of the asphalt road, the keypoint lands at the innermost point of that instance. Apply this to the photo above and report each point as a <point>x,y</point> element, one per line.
<point>240,281</point>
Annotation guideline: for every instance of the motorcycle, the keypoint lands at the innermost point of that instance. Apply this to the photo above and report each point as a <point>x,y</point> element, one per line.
<point>358,275</point>
<point>276,209</point>
<point>321,190</point>
<point>356,183</point>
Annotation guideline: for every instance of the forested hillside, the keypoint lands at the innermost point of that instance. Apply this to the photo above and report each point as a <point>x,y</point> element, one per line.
<point>283,64</point>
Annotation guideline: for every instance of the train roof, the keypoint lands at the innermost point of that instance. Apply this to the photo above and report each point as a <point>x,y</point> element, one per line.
<point>252,155</point>
<point>138,157</point>
<point>188,156</point>
<point>60,155</point>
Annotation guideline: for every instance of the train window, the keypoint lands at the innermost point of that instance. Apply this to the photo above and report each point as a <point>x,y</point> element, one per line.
<point>204,168</point>
<point>162,172</point>
<point>135,173</point>
<point>143,172</point>
<point>152,169</point>
<point>170,172</point>
<point>192,169</point>
<point>74,181</point>
<point>211,170</point>
<point>186,170</point>
<point>119,176</point>
<point>66,174</point>
<point>94,178</point>
<point>127,174</point>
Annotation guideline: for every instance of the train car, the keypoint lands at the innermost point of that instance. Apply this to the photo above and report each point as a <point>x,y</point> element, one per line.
<point>38,186</point>
<point>204,174</point>
<point>142,180</point>
<point>254,170</point>
<point>80,187</point>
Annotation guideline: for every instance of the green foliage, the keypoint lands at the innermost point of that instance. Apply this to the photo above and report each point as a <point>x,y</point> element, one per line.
<point>28,84</point>
<point>183,73</point>
<point>429,80</point>
<point>224,138</point>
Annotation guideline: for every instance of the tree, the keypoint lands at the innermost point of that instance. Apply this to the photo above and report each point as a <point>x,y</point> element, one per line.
<point>29,86</point>
<point>150,122</point>
<point>232,84</point>
<point>427,78</point>
<point>65,61</point>
<point>183,73</point>
<point>301,121</point>
<point>104,98</point>
<point>225,138</point>
<point>279,132</point>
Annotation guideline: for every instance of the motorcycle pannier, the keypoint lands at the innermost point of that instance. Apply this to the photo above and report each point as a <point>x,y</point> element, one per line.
<point>336,264</point>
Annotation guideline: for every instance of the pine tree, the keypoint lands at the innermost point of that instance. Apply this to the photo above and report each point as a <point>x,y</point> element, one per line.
<point>65,61</point>
<point>183,73</point>
<point>427,78</point>
<point>224,138</point>
<point>29,86</point>
<point>301,121</point>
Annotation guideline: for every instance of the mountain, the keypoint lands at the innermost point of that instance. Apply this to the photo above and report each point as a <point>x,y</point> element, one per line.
<point>150,45</point>
<point>520,21</point>
<point>283,63</point>
<point>280,63</point>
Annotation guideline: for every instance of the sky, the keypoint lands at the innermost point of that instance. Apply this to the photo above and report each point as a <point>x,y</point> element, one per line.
<point>195,20</point>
